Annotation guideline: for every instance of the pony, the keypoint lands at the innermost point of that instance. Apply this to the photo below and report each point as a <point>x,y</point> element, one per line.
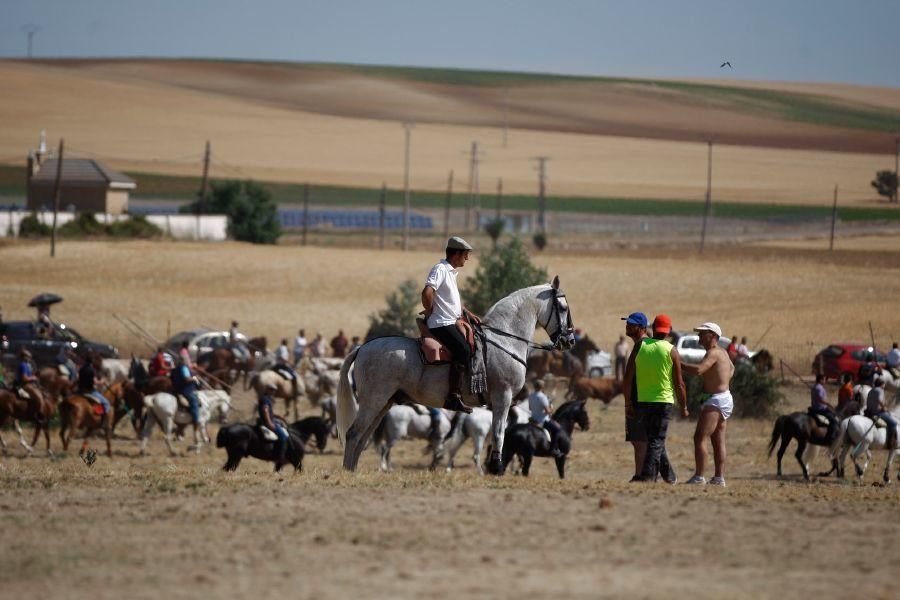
<point>810,435</point>
<point>284,388</point>
<point>77,412</point>
<point>240,440</point>
<point>163,409</point>
<point>15,408</point>
<point>391,369</point>
<point>313,427</point>
<point>403,421</point>
<point>860,433</point>
<point>476,426</point>
<point>527,440</point>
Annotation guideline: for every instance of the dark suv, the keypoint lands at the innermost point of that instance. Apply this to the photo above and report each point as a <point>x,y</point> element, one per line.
<point>15,335</point>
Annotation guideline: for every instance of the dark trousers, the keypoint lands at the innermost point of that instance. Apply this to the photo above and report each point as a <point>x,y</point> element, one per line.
<point>655,417</point>
<point>451,337</point>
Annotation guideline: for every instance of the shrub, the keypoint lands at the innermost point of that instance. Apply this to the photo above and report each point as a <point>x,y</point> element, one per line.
<point>495,229</point>
<point>252,212</point>
<point>31,227</point>
<point>84,224</point>
<point>500,272</point>
<point>885,183</point>
<point>540,240</point>
<point>399,318</point>
<point>135,226</point>
<point>756,395</point>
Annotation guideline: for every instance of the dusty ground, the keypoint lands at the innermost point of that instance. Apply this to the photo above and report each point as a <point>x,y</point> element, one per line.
<point>801,299</point>
<point>286,124</point>
<point>162,527</point>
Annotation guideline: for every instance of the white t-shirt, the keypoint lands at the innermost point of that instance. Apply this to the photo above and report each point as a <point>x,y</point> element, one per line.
<point>539,405</point>
<point>281,355</point>
<point>446,307</point>
<point>299,344</point>
<point>893,358</point>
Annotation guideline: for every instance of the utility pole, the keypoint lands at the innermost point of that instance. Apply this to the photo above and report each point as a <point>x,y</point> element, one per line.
<point>505,115</point>
<point>499,197</point>
<point>305,211</point>
<point>708,207</point>
<point>896,167</point>
<point>201,198</point>
<point>473,183</point>
<point>381,207</point>
<point>56,190</point>
<point>542,191</point>
<point>447,205</point>
<point>407,127</point>
<point>30,30</point>
<point>833,218</point>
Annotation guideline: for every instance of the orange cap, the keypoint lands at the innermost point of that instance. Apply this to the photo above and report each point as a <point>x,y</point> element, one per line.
<point>662,324</point>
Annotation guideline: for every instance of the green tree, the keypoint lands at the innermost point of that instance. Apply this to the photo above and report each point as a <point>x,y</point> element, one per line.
<point>399,318</point>
<point>252,212</point>
<point>495,229</point>
<point>540,240</point>
<point>31,227</point>
<point>886,184</point>
<point>502,271</point>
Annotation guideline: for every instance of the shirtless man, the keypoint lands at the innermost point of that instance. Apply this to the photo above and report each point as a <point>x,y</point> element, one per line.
<point>716,370</point>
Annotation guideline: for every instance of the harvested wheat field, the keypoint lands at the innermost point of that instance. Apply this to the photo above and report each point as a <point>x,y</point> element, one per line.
<point>180,527</point>
<point>333,125</point>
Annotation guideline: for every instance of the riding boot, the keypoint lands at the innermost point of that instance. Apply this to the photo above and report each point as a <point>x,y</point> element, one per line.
<point>454,398</point>
<point>555,452</point>
<point>280,452</point>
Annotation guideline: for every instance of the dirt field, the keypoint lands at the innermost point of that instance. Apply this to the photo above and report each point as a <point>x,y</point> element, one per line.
<point>804,295</point>
<point>151,527</point>
<point>285,124</point>
<point>157,526</point>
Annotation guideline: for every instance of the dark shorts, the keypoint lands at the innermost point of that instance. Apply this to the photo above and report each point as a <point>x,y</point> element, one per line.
<point>634,430</point>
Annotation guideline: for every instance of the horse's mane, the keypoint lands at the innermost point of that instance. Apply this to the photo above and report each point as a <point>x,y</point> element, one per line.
<point>508,306</point>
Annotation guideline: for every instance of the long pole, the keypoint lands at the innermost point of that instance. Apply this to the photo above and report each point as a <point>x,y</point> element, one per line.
<point>505,115</point>
<point>305,211</point>
<point>896,167</point>
<point>833,218</point>
<point>381,207</point>
<point>204,183</point>
<point>708,207</point>
<point>473,166</point>
<point>499,197</point>
<point>447,205</point>
<point>542,192</point>
<point>56,191</point>
<point>407,127</point>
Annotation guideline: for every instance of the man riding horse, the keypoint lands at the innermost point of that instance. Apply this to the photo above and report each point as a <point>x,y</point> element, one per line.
<point>443,308</point>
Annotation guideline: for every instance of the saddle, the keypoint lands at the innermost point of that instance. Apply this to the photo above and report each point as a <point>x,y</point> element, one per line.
<point>877,421</point>
<point>543,430</point>
<point>434,352</point>
<point>267,434</point>
<point>820,419</point>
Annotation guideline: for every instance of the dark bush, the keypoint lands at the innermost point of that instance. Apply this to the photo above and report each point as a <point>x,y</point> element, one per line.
<point>31,227</point>
<point>495,229</point>
<point>135,226</point>
<point>83,225</point>
<point>251,210</point>
<point>540,240</point>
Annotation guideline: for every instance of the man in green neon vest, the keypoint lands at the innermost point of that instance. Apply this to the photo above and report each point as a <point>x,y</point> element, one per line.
<point>658,370</point>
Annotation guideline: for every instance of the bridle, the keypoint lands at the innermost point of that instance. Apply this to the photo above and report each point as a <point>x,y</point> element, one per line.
<point>556,338</point>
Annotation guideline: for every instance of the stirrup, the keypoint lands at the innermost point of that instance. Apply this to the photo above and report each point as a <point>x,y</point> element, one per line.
<point>454,402</point>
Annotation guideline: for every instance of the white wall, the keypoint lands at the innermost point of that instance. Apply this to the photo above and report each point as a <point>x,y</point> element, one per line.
<point>211,228</point>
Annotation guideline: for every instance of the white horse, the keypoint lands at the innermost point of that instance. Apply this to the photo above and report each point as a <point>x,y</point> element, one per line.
<point>476,426</point>
<point>162,409</point>
<point>388,369</point>
<point>857,436</point>
<point>115,370</point>
<point>404,422</point>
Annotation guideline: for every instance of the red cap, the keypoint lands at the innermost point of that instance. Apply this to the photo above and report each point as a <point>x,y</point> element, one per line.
<point>662,324</point>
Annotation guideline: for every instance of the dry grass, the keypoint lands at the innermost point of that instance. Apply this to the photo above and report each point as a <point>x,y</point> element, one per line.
<point>157,119</point>
<point>272,291</point>
<point>145,527</point>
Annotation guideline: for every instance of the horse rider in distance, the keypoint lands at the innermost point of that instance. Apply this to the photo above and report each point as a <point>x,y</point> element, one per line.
<point>443,308</point>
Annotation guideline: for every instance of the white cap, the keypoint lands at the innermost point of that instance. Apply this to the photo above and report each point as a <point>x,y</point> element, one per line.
<point>710,326</point>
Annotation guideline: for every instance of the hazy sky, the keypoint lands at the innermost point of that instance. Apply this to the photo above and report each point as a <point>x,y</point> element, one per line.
<point>854,41</point>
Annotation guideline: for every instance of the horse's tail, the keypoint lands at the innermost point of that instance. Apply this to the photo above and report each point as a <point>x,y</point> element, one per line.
<point>456,429</point>
<point>346,402</point>
<point>776,433</point>
<point>379,436</point>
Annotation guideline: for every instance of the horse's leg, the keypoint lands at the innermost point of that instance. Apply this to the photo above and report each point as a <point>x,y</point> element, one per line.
<point>526,458</point>
<point>109,430</point>
<point>801,450</point>
<point>887,467</point>
<point>47,438</point>
<point>145,433</point>
<point>167,427</point>
<point>785,440</point>
<point>385,449</point>
<point>372,409</point>
<point>28,449</point>
<point>498,430</point>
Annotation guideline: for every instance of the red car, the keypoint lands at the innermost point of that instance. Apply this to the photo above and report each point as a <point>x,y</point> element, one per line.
<point>837,359</point>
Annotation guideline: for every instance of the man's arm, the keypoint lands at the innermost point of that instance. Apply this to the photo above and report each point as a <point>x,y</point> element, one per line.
<point>678,382</point>
<point>628,378</point>
<point>472,315</point>
<point>709,360</point>
<point>428,300</point>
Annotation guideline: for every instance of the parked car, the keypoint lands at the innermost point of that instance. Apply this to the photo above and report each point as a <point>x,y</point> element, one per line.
<point>598,364</point>
<point>44,346</point>
<point>690,350</point>
<point>837,359</point>
<point>200,341</point>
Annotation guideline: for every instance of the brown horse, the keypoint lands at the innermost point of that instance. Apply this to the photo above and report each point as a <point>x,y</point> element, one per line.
<point>77,412</point>
<point>569,364</point>
<point>39,411</point>
<point>55,384</point>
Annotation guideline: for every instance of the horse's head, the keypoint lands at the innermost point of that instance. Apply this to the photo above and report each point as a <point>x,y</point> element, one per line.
<point>556,318</point>
<point>581,416</point>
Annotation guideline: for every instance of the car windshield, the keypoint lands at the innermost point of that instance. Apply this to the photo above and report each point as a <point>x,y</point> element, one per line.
<point>18,331</point>
<point>66,334</point>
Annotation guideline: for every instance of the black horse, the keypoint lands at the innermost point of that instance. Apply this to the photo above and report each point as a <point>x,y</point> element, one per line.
<point>527,440</point>
<point>313,427</point>
<point>241,440</point>
<point>805,429</point>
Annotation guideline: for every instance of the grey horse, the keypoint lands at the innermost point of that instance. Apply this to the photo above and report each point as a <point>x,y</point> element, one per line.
<point>390,369</point>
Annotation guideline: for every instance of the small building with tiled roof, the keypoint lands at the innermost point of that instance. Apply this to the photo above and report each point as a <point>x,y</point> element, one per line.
<point>86,185</point>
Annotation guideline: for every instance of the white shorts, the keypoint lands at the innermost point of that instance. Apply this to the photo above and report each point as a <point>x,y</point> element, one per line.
<point>723,402</point>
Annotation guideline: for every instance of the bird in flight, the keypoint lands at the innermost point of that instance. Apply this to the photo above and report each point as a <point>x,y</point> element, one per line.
<point>726,64</point>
